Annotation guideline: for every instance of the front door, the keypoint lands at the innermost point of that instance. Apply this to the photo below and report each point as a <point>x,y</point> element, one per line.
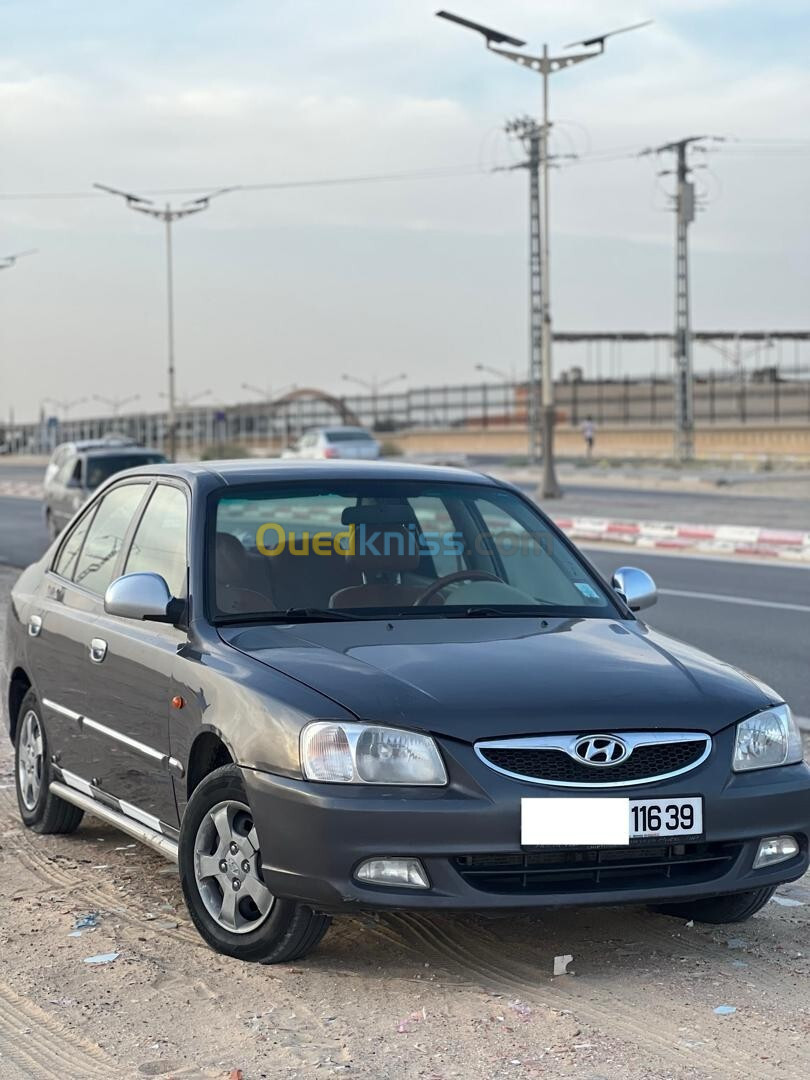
<point>130,686</point>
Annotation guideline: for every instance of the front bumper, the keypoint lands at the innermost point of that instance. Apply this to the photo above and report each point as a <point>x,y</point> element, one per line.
<point>312,837</point>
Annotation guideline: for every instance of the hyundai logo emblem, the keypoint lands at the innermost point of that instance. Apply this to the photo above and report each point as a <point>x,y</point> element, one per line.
<point>600,750</point>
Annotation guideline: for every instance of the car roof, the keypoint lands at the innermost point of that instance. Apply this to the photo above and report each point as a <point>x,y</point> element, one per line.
<point>109,441</point>
<point>214,474</point>
<point>118,451</point>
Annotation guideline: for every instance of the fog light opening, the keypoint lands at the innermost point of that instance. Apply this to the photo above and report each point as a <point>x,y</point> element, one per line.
<point>775,849</point>
<point>401,873</point>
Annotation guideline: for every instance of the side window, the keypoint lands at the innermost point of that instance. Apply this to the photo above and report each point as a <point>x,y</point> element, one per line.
<point>67,468</point>
<point>159,545</point>
<point>94,569</point>
<point>71,547</point>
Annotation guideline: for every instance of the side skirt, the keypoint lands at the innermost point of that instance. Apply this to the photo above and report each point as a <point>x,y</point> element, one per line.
<point>138,830</point>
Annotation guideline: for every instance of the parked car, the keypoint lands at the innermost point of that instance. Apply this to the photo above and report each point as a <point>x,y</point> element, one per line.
<point>332,687</point>
<point>335,442</point>
<point>80,471</point>
<point>66,450</point>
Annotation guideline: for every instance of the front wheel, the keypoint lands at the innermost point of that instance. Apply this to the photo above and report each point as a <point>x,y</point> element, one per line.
<point>221,876</point>
<point>735,907</point>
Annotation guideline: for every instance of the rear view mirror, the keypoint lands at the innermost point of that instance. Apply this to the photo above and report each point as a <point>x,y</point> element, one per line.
<point>636,587</point>
<point>140,596</point>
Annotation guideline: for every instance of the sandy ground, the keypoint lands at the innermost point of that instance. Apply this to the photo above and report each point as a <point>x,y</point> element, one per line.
<point>398,998</point>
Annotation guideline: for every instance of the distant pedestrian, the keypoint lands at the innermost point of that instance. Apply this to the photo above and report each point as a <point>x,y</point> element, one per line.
<point>588,432</point>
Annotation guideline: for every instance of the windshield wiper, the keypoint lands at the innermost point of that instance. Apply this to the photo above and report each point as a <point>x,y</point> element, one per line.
<point>316,614</point>
<point>481,612</point>
<point>309,614</point>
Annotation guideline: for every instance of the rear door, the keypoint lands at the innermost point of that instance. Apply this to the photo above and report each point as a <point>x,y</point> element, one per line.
<point>63,620</point>
<point>130,687</point>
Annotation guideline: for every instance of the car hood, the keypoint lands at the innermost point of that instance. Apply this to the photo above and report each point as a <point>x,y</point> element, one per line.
<point>479,678</point>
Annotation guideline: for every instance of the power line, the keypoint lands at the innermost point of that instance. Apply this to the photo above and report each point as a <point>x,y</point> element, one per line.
<point>428,173</point>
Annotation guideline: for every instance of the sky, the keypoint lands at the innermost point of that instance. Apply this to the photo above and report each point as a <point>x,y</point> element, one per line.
<point>426,276</point>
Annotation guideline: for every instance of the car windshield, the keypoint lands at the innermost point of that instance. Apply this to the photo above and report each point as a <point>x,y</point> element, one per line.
<point>398,549</point>
<point>102,468</point>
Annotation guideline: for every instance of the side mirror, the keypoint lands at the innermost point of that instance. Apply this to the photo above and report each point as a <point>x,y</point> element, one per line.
<point>635,586</point>
<point>140,596</point>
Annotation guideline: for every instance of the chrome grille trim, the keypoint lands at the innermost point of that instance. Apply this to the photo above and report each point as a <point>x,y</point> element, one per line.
<point>566,743</point>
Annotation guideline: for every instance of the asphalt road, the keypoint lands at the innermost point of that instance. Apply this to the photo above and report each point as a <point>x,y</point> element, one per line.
<point>23,537</point>
<point>755,616</point>
<point>700,507</point>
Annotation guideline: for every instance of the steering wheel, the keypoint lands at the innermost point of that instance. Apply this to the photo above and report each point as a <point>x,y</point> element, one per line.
<point>449,579</point>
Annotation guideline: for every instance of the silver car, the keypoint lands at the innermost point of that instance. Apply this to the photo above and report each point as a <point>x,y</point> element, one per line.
<point>335,442</point>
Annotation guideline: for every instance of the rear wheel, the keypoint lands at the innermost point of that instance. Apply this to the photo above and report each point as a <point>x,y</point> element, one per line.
<point>736,907</point>
<point>40,809</point>
<point>221,875</point>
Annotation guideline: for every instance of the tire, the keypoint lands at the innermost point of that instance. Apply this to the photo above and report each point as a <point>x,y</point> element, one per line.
<point>218,846</point>
<point>40,809</point>
<point>736,907</point>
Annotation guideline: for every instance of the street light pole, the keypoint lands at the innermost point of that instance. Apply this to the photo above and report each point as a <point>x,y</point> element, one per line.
<point>545,65</point>
<point>168,215</point>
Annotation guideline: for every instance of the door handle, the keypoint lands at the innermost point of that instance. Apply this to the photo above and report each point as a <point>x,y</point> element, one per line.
<point>34,625</point>
<point>98,650</point>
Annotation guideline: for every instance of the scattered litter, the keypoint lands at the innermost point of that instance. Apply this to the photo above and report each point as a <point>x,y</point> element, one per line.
<point>102,866</point>
<point>561,964</point>
<point>126,847</point>
<point>102,958</point>
<point>786,901</point>
<point>725,1010</point>
<point>521,1009</point>
<point>235,1074</point>
<point>690,924</point>
<point>86,922</point>
<point>404,1026</point>
<point>736,943</point>
<point>739,964</point>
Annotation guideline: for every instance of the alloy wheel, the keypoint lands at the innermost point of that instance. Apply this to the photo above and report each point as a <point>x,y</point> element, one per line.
<point>30,755</point>
<point>227,869</point>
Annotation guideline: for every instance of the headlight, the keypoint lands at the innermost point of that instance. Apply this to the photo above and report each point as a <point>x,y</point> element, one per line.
<point>769,738</point>
<point>369,754</point>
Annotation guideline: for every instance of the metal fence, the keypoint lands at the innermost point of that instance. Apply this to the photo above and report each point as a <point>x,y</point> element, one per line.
<point>764,397</point>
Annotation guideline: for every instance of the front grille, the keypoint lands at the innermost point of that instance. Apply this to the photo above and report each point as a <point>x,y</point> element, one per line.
<point>573,870</point>
<point>557,766</point>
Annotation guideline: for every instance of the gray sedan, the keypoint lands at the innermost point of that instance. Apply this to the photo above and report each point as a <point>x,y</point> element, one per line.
<point>327,687</point>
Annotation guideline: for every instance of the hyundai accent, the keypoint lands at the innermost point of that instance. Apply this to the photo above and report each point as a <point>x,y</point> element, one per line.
<point>326,687</point>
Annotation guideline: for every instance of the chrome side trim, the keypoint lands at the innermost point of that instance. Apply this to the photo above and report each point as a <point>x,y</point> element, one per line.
<point>170,763</point>
<point>77,782</point>
<point>69,713</point>
<point>155,840</point>
<point>140,815</point>
<point>133,744</point>
<point>566,743</point>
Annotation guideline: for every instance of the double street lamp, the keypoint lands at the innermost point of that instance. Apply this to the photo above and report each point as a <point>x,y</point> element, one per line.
<point>7,261</point>
<point>540,370</point>
<point>167,215</point>
<point>374,385</point>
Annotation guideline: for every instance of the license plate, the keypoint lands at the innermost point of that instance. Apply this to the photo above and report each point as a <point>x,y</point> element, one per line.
<point>607,821</point>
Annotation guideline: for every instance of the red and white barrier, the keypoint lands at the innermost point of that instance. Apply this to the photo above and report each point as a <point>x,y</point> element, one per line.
<point>719,539</point>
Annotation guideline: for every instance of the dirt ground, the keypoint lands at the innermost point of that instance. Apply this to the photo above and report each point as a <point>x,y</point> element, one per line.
<point>403,997</point>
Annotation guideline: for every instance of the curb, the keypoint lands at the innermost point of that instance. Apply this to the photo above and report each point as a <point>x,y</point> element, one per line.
<point>717,539</point>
